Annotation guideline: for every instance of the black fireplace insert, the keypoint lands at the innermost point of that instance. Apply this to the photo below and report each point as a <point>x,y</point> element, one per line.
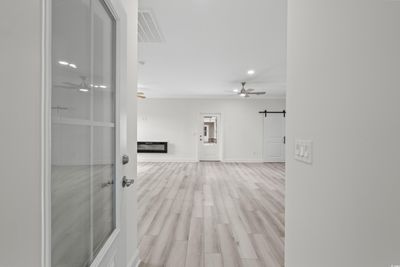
<point>152,147</point>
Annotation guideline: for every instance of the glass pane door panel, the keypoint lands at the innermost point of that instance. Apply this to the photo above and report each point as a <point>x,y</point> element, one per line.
<point>103,111</point>
<point>83,130</point>
<point>210,130</point>
<point>71,59</point>
<point>103,184</point>
<point>71,188</point>
<point>103,63</point>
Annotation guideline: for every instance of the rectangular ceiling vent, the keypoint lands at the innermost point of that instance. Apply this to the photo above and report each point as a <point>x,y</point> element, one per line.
<point>148,30</point>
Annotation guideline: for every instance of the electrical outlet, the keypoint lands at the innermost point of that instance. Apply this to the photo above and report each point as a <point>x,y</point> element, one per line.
<point>303,151</point>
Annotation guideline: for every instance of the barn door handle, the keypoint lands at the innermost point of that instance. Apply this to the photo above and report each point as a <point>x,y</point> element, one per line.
<point>284,139</point>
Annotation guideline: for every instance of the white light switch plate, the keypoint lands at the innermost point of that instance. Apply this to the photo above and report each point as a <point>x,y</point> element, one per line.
<point>303,151</point>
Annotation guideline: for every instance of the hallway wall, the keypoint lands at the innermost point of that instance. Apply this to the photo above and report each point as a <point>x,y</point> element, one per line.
<point>343,93</point>
<point>177,121</point>
<point>20,143</point>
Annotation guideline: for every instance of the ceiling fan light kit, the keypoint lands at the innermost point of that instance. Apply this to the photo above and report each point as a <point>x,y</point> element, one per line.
<point>140,95</point>
<point>247,92</point>
<point>83,87</point>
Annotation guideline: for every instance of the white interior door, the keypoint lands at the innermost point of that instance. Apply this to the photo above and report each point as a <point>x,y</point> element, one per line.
<point>274,138</point>
<point>85,159</point>
<point>210,137</point>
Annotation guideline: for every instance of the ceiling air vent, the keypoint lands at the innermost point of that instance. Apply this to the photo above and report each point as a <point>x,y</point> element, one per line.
<point>148,30</point>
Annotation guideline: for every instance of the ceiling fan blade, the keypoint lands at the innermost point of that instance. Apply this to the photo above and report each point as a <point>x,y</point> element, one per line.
<point>141,96</point>
<point>250,90</point>
<point>71,84</point>
<point>140,93</point>
<point>257,93</point>
<point>64,86</point>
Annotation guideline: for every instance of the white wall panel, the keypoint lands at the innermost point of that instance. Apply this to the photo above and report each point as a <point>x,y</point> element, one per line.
<point>343,93</point>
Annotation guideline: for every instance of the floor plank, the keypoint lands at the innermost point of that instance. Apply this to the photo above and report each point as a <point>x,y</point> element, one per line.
<point>211,214</point>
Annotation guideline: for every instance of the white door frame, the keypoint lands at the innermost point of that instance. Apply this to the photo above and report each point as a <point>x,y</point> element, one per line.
<point>219,133</point>
<point>119,15</point>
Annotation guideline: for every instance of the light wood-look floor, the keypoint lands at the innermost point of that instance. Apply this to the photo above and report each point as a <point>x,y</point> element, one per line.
<point>211,214</point>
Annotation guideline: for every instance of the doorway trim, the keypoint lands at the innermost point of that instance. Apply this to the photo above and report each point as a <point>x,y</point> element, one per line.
<point>46,134</point>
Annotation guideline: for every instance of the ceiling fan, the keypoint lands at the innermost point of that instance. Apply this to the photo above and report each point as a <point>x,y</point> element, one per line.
<point>247,92</point>
<point>82,87</point>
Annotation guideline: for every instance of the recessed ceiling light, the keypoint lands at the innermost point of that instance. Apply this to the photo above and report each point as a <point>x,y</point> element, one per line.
<point>62,62</point>
<point>251,72</point>
<point>236,90</point>
<point>84,90</point>
<point>96,86</point>
<point>103,86</point>
<point>72,66</point>
<point>242,94</point>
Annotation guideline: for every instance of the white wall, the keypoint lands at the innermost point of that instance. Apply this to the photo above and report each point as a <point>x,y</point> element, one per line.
<point>343,93</point>
<point>20,53</point>
<point>177,121</point>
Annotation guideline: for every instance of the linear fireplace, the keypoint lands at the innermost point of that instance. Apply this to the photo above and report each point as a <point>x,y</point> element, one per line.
<point>152,147</point>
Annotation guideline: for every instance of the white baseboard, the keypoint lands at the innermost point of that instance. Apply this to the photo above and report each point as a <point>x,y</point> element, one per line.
<point>135,260</point>
<point>168,160</point>
<point>243,160</point>
<point>195,160</point>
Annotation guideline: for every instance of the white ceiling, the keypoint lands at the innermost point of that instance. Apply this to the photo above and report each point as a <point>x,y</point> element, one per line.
<point>211,44</point>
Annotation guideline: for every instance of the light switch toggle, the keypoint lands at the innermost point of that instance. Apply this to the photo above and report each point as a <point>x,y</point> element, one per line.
<point>303,150</point>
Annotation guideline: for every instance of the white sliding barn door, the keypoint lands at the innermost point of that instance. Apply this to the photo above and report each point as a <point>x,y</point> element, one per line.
<point>274,138</point>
